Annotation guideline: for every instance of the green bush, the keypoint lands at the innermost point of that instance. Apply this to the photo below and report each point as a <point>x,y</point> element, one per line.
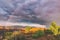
<point>48,32</point>
<point>10,36</point>
<point>8,33</point>
<point>38,34</point>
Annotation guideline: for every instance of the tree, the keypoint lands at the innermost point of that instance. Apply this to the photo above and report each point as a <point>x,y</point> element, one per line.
<point>54,28</point>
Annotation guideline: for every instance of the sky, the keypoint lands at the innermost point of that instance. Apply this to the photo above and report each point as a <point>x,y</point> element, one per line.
<point>30,11</point>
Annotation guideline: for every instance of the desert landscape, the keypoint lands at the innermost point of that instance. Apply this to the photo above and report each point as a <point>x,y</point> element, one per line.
<point>30,33</point>
<point>29,19</point>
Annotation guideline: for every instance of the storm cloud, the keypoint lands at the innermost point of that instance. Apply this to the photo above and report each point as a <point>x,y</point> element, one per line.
<point>33,11</point>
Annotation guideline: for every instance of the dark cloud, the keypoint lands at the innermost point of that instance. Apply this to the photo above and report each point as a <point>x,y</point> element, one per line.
<point>35,11</point>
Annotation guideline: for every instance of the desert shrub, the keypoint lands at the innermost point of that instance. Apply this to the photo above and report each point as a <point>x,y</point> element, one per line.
<point>20,37</point>
<point>16,35</point>
<point>8,33</point>
<point>57,37</point>
<point>48,32</point>
<point>27,29</point>
<point>11,35</point>
<point>37,34</point>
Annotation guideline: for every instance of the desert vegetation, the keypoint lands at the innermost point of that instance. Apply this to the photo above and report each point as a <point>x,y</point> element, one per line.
<point>32,33</point>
